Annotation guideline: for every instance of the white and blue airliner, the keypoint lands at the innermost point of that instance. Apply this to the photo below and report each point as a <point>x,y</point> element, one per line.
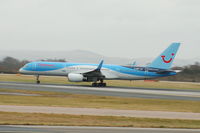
<point>97,73</point>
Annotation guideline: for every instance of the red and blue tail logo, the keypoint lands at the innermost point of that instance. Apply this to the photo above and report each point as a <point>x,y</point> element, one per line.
<point>165,60</point>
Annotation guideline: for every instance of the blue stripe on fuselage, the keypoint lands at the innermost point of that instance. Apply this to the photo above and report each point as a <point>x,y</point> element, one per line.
<point>50,66</point>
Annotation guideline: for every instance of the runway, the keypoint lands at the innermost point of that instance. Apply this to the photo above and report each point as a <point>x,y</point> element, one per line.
<point>151,93</point>
<point>74,129</point>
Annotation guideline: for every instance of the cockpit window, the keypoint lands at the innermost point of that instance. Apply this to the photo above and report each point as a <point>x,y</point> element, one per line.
<point>26,66</point>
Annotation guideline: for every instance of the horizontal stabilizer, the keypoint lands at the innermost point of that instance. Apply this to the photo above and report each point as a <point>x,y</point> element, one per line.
<point>164,71</point>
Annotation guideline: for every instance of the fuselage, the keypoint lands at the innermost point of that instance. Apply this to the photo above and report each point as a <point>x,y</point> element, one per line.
<point>109,71</point>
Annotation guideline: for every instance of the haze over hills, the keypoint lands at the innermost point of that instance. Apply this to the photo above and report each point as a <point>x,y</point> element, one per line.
<point>85,56</point>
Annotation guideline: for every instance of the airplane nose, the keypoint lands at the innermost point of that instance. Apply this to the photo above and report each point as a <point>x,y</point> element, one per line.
<point>20,70</point>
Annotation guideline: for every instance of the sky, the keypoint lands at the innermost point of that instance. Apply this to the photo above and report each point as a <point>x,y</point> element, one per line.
<point>115,28</point>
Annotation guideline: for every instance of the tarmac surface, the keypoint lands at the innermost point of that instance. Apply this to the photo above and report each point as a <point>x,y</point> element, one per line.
<point>150,93</point>
<point>18,94</point>
<point>100,112</point>
<point>76,129</point>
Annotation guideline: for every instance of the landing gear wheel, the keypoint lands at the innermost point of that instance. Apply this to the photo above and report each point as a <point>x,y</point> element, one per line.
<point>94,84</point>
<point>98,84</point>
<point>103,84</point>
<point>38,82</point>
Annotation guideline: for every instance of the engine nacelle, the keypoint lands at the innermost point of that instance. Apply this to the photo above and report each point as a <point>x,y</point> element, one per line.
<point>75,77</point>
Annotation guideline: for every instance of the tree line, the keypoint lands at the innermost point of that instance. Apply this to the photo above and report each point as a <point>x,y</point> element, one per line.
<point>189,73</point>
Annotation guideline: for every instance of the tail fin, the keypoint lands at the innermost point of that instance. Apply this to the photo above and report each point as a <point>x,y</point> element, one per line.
<point>164,61</point>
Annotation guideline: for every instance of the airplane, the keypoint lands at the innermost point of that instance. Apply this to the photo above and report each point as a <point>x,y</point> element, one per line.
<point>97,73</point>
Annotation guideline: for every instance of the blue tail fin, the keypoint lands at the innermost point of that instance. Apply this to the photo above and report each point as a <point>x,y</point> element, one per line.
<point>165,60</point>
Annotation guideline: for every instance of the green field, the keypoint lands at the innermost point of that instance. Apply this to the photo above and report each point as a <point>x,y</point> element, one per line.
<point>63,80</point>
<point>12,118</point>
<point>93,101</point>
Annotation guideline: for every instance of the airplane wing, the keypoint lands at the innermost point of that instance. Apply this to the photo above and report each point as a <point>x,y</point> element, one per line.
<point>96,73</point>
<point>92,75</point>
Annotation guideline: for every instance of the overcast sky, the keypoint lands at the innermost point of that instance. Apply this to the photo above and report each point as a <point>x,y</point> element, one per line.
<point>119,28</point>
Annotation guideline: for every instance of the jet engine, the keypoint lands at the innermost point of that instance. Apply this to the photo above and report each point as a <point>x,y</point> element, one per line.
<point>75,77</point>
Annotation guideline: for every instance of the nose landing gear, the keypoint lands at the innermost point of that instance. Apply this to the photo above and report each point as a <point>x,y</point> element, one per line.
<point>37,79</point>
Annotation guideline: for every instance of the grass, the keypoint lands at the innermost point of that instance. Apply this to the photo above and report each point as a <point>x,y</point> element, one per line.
<point>63,80</point>
<point>12,118</point>
<point>92,101</point>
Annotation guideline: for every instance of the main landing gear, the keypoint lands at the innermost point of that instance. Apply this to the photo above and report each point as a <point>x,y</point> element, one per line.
<point>98,84</point>
<point>101,84</point>
<point>37,79</point>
